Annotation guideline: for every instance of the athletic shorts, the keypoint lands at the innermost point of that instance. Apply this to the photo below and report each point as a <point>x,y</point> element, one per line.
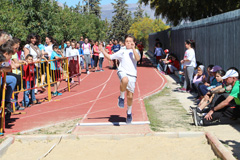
<point>131,80</point>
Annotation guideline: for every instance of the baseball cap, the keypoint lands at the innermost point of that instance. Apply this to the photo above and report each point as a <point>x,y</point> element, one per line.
<point>215,68</point>
<point>166,50</point>
<point>230,73</point>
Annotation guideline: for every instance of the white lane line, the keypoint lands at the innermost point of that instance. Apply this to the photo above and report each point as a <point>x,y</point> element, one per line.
<point>96,99</point>
<point>140,101</point>
<point>113,123</point>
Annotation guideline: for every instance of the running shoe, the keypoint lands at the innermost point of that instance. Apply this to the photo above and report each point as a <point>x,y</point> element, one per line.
<point>88,72</point>
<point>198,120</point>
<point>129,118</point>
<point>59,94</point>
<point>120,102</point>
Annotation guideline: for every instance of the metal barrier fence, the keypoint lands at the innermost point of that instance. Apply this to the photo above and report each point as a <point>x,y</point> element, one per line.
<point>217,39</point>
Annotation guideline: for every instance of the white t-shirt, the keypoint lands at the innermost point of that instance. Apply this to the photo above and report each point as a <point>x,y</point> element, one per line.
<point>31,52</point>
<point>72,52</point>
<point>86,48</point>
<point>49,50</point>
<point>190,55</point>
<point>128,64</point>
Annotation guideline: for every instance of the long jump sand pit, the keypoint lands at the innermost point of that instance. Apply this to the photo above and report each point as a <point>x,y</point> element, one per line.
<point>133,147</point>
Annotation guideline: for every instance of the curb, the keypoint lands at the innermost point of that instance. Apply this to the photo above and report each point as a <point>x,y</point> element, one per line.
<point>5,144</point>
<point>219,148</point>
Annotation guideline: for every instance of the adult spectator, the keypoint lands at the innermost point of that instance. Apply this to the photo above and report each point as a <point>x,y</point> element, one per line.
<point>189,63</point>
<point>49,45</point>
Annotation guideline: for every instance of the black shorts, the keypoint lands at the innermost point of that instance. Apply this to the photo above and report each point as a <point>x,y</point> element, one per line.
<point>95,60</point>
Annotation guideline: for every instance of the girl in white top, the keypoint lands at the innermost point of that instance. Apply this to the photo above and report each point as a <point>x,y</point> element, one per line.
<point>73,58</point>
<point>127,72</point>
<point>49,45</point>
<point>189,63</point>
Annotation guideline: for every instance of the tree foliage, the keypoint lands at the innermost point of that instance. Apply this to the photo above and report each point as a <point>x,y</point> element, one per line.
<point>138,14</point>
<point>121,21</point>
<point>142,28</point>
<point>178,10</point>
<point>94,7</point>
<point>45,17</point>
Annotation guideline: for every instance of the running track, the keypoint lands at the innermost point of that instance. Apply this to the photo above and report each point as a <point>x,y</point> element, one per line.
<point>94,100</point>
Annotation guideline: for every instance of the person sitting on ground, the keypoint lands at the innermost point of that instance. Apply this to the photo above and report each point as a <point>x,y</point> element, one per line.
<point>211,93</point>
<point>55,68</point>
<point>229,107</point>
<point>172,64</point>
<point>29,82</point>
<point>203,89</point>
<point>199,77</point>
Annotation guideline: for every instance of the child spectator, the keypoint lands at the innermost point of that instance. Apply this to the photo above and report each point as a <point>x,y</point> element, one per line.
<point>101,57</point>
<point>6,52</point>
<point>173,64</point>
<point>87,53</point>
<point>96,55</point>
<point>81,58</point>
<point>140,48</point>
<point>109,51</point>
<point>116,47</point>
<point>29,82</point>
<point>158,53</point>
<point>55,68</point>
<point>73,58</point>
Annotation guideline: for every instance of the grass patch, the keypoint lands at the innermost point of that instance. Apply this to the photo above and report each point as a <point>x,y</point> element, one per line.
<point>2,139</point>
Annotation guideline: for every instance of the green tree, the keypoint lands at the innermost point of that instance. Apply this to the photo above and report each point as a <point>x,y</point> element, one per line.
<point>138,14</point>
<point>121,21</point>
<point>94,7</point>
<point>142,28</point>
<point>178,10</point>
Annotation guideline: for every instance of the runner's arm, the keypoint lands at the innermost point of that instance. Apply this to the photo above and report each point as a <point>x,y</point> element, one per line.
<point>104,52</point>
<point>135,52</point>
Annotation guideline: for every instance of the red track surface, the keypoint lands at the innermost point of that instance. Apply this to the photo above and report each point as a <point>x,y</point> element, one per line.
<point>94,100</point>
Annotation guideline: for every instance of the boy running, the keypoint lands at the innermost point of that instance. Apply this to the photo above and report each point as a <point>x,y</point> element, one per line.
<point>127,72</point>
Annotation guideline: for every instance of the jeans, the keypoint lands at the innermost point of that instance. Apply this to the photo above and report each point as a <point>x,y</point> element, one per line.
<point>26,101</point>
<point>100,62</point>
<point>11,82</point>
<point>92,62</point>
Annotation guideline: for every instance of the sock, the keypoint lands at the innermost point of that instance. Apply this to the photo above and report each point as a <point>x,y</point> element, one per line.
<point>129,110</point>
<point>122,94</point>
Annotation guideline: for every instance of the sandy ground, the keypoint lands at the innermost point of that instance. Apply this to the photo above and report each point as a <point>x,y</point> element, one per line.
<point>140,148</point>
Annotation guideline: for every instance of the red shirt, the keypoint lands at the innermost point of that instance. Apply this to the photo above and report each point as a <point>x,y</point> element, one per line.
<point>96,49</point>
<point>109,48</point>
<point>28,72</point>
<point>140,47</point>
<point>175,63</point>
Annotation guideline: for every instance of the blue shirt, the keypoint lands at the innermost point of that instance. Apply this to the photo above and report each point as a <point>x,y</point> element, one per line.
<point>54,63</point>
<point>80,52</point>
<point>116,48</point>
<point>41,47</point>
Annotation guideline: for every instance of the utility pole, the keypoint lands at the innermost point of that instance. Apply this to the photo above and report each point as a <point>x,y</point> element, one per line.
<point>88,6</point>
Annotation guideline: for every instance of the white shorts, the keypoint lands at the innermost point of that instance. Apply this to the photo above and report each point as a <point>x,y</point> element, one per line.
<point>131,80</point>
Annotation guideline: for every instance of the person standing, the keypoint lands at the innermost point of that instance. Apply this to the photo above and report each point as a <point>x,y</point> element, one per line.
<point>87,54</point>
<point>189,63</point>
<point>140,48</point>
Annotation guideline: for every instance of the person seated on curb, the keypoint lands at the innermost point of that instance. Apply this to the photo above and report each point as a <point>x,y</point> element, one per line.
<point>203,89</point>
<point>230,107</point>
<point>211,93</point>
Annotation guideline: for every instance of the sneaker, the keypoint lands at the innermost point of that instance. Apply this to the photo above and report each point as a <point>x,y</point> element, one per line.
<point>101,70</point>
<point>198,120</point>
<point>183,90</point>
<point>9,107</point>
<point>197,109</point>
<point>88,72</point>
<point>72,81</point>
<point>129,118</point>
<point>1,134</point>
<point>59,94</point>
<point>120,102</point>
<point>35,91</point>
<point>54,93</point>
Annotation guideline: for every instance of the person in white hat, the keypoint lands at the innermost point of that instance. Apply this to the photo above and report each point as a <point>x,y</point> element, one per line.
<point>230,107</point>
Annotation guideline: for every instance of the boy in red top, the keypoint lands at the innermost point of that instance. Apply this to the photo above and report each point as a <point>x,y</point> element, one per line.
<point>28,82</point>
<point>140,48</point>
<point>109,51</point>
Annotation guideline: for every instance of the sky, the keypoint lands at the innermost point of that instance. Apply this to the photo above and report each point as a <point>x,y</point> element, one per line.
<point>103,2</point>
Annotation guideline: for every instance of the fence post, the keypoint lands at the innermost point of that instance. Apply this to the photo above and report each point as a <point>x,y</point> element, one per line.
<point>13,104</point>
<point>2,127</point>
<point>48,83</point>
<point>68,75</point>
